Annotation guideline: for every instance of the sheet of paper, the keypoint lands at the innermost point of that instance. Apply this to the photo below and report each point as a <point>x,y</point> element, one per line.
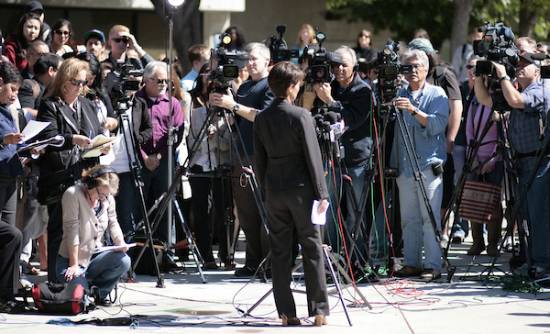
<point>32,129</point>
<point>316,217</point>
<point>98,143</point>
<point>113,248</point>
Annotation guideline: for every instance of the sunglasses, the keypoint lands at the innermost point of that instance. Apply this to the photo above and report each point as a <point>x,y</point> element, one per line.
<point>337,65</point>
<point>125,40</point>
<point>62,32</point>
<point>160,81</point>
<point>470,66</point>
<point>78,83</point>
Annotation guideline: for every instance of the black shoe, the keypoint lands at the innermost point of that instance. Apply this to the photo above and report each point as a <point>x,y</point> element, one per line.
<point>13,307</point>
<point>245,272</point>
<point>169,265</point>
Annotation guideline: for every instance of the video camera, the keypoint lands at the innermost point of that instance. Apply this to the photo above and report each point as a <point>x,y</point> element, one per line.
<point>318,61</point>
<point>389,67</point>
<point>228,65</point>
<point>279,49</point>
<point>123,80</point>
<point>496,45</point>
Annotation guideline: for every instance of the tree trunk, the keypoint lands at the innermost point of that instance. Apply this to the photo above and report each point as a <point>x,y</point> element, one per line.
<point>527,18</point>
<point>187,27</point>
<point>459,33</point>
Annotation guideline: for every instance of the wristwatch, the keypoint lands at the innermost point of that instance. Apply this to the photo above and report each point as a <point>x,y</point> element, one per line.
<point>415,112</point>
<point>236,108</point>
<point>506,77</point>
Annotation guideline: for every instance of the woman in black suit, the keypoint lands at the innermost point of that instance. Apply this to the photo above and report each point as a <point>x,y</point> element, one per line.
<point>74,118</point>
<point>290,172</point>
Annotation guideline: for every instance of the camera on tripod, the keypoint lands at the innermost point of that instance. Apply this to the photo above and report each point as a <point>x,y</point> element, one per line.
<point>124,81</point>
<point>389,67</point>
<point>279,49</point>
<point>228,65</point>
<point>496,45</point>
<point>318,61</point>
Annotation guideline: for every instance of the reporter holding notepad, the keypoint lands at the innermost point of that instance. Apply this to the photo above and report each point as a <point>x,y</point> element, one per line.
<point>88,212</point>
<point>73,117</point>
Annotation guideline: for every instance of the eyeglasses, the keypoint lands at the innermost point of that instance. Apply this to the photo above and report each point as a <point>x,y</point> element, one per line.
<point>470,67</point>
<point>62,32</point>
<point>124,39</point>
<point>416,67</point>
<point>160,81</point>
<point>337,65</point>
<point>78,83</point>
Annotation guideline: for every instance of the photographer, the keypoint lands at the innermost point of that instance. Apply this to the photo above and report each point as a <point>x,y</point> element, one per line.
<point>252,96</point>
<point>425,110</point>
<point>525,133</point>
<point>290,171</point>
<point>349,96</point>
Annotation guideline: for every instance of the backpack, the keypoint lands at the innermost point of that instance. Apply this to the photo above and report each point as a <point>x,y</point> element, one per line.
<point>60,298</point>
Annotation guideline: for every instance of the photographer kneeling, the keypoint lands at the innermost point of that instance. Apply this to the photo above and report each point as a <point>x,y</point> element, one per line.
<point>88,212</point>
<point>290,171</point>
<point>525,133</point>
<point>425,110</point>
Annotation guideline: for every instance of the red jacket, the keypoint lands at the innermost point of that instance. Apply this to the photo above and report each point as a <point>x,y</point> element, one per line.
<point>15,54</point>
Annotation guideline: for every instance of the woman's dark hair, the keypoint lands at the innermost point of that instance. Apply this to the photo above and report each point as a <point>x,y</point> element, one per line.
<point>19,36</point>
<point>61,23</point>
<point>359,35</point>
<point>282,76</point>
<point>239,42</point>
<point>95,68</point>
<point>197,91</point>
<point>9,73</point>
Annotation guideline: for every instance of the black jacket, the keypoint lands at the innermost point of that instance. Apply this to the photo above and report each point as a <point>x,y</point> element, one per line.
<point>63,122</point>
<point>354,103</point>
<point>286,150</point>
<point>142,129</point>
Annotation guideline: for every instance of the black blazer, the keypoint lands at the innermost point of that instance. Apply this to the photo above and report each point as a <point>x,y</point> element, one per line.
<point>286,150</point>
<point>63,122</point>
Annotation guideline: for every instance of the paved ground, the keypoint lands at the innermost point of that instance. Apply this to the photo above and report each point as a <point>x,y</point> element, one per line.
<point>398,306</point>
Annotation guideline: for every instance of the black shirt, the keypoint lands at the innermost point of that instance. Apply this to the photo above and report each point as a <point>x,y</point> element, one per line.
<point>253,94</point>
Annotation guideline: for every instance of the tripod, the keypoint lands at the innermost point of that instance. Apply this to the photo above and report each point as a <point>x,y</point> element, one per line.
<point>135,169</point>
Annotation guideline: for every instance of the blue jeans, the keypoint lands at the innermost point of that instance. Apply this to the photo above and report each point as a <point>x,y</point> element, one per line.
<point>415,221</point>
<point>538,207</point>
<point>104,271</point>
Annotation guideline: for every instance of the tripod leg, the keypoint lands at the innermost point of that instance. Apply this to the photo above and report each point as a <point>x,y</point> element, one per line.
<point>333,275</point>
<point>194,250</point>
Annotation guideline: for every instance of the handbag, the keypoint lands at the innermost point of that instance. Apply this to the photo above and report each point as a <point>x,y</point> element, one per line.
<point>479,201</point>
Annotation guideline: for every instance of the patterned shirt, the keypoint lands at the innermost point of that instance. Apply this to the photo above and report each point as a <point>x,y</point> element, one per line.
<point>526,124</point>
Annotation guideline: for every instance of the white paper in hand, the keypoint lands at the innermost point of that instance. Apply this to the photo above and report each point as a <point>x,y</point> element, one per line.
<point>316,217</point>
<point>32,129</point>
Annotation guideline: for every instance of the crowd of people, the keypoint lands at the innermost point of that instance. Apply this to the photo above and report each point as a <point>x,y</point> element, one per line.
<point>260,132</point>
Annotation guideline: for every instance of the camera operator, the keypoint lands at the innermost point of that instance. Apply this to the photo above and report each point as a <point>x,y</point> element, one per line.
<point>349,96</point>
<point>252,96</point>
<point>525,133</point>
<point>120,42</point>
<point>290,171</point>
<point>425,109</point>
<point>72,116</point>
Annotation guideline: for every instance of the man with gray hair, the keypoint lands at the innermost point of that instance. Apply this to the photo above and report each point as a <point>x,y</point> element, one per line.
<point>252,97</point>
<point>425,110</point>
<point>349,96</point>
<point>154,152</point>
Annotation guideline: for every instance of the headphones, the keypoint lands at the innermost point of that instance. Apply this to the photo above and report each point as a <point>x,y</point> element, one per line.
<point>91,181</point>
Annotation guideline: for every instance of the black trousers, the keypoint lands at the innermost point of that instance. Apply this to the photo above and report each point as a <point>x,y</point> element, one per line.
<point>55,235</point>
<point>200,186</point>
<point>257,242</point>
<point>10,241</point>
<point>289,213</point>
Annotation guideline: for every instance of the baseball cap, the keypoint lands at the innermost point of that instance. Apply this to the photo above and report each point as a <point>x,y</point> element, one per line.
<point>534,58</point>
<point>34,6</point>
<point>422,44</point>
<point>94,33</point>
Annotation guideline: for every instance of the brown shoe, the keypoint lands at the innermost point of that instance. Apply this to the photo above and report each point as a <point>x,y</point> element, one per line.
<point>289,321</point>
<point>408,271</point>
<point>475,249</point>
<point>320,320</point>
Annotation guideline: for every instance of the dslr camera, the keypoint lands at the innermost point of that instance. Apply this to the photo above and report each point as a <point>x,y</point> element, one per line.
<point>227,65</point>
<point>389,67</point>
<point>279,49</point>
<point>318,61</point>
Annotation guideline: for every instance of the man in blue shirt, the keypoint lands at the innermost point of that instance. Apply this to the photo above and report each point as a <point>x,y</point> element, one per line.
<point>425,111</point>
<point>526,138</point>
<point>198,55</point>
